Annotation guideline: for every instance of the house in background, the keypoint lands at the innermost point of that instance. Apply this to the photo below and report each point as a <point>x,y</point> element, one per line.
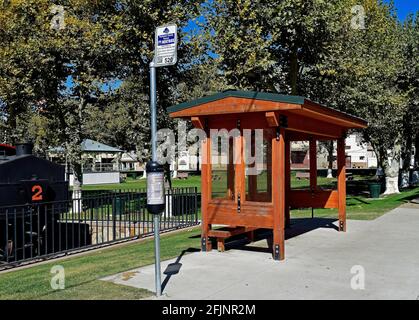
<point>100,162</point>
<point>129,162</point>
<point>187,162</point>
<point>300,158</point>
<point>359,155</point>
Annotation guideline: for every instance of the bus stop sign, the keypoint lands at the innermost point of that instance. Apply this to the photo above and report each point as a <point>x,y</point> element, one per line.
<point>166,46</point>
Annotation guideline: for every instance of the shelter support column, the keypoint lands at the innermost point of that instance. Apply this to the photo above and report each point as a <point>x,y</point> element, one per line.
<point>341,183</point>
<point>313,164</point>
<point>287,182</point>
<point>206,190</point>
<point>278,194</point>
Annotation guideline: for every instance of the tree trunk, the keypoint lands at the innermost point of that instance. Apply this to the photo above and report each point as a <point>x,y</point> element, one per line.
<point>406,160</point>
<point>330,158</point>
<point>417,151</point>
<point>391,169</point>
<point>293,76</point>
<point>144,174</point>
<point>75,155</point>
<point>77,184</point>
<point>175,167</point>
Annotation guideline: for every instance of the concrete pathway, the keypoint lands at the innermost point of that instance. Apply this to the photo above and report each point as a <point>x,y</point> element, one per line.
<point>318,264</point>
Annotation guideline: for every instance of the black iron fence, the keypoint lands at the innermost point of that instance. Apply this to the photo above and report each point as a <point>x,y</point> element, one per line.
<point>38,231</point>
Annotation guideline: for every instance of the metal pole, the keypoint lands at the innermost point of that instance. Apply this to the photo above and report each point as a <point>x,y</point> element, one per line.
<point>153,103</point>
<point>156,220</point>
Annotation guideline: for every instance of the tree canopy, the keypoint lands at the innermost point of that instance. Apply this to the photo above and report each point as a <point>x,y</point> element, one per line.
<point>77,69</point>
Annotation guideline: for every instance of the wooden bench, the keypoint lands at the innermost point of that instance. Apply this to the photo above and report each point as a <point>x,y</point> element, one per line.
<point>302,175</point>
<point>224,233</point>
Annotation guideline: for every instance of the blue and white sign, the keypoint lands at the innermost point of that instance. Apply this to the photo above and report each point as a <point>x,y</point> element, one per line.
<point>166,46</point>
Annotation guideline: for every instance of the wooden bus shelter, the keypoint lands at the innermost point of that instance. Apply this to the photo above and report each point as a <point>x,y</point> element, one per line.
<point>243,202</point>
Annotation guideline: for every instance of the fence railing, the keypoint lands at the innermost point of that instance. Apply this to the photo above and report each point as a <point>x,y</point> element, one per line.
<point>37,231</point>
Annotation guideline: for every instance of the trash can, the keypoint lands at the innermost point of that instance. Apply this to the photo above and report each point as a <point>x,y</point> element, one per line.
<point>118,206</point>
<point>375,189</point>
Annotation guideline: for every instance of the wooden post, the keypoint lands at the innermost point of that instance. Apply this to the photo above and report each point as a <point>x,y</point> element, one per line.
<point>206,190</point>
<point>230,170</point>
<point>278,194</point>
<point>313,165</point>
<point>252,179</point>
<point>240,178</point>
<point>287,182</point>
<point>341,183</point>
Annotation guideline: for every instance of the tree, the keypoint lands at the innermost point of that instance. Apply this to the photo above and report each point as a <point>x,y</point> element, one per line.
<point>408,81</point>
<point>26,62</point>
<point>268,45</point>
<point>360,76</point>
<point>64,55</point>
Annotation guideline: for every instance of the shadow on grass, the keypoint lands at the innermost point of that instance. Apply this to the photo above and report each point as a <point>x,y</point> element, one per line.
<point>409,198</point>
<point>359,200</point>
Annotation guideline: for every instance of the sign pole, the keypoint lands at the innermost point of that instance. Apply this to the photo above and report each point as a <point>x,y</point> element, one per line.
<point>156,220</point>
<point>165,55</point>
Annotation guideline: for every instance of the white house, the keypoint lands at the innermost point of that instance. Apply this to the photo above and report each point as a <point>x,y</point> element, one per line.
<point>361,153</point>
<point>100,162</point>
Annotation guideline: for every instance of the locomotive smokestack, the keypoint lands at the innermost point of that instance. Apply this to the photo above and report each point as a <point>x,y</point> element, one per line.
<point>23,149</point>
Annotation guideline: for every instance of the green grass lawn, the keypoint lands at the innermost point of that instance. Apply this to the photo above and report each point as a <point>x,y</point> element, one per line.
<point>358,206</point>
<point>82,273</point>
<point>192,181</point>
<point>363,208</point>
<point>195,181</point>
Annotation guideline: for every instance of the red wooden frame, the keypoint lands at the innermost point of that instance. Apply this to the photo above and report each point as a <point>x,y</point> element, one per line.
<point>306,121</point>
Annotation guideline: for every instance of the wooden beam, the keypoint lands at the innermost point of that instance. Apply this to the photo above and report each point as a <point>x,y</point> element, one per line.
<point>301,136</point>
<point>341,183</point>
<point>297,122</point>
<point>287,182</point>
<point>321,112</point>
<point>318,199</point>
<point>278,195</point>
<point>313,164</point>
<point>228,215</point>
<point>272,118</point>
<point>230,170</point>
<point>229,232</point>
<point>240,178</point>
<point>205,192</point>
<point>252,179</point>
<point>198,122</point>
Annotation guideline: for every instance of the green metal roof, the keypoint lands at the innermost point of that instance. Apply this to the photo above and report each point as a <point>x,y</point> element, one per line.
<point>275,97</point>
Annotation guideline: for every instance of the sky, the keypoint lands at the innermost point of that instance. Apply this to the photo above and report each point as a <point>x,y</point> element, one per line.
<point>404,7</point>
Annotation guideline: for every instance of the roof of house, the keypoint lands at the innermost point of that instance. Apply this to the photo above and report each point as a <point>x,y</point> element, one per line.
<point>89,145</point>
<point>129,157</point>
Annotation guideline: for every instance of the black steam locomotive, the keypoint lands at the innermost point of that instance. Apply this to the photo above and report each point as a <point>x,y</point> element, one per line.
<point>28,186</point>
